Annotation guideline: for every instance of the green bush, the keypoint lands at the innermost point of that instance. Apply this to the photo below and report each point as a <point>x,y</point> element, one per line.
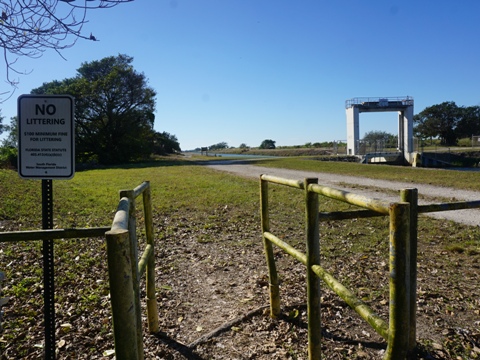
<point>8,157</point>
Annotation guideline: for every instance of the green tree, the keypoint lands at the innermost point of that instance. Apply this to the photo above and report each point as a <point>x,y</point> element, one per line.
<point>375,136</point>
<point>219,146</point>
<point>11,140</point>
<point>114,110</point>
<point>424,129</point>
<point>8,146</point>
<point>439,121</point>
<point>165,143</point>
<point>469,123</point>
<point>267,144</point>
<point>2,126</point>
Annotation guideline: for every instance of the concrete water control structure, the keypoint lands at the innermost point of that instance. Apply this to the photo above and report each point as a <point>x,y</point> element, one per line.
<point>403,105</point>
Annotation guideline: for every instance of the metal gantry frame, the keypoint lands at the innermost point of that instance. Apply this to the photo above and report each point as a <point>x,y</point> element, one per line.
<point>403,105</point>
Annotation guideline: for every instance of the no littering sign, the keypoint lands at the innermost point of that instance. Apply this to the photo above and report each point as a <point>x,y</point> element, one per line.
<point>46,137</point>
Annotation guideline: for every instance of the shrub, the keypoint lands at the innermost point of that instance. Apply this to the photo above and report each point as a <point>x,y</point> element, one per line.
<point>8,157</point>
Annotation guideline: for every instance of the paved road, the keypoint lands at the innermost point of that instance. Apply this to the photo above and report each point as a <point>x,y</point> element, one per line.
<point>376,188</point>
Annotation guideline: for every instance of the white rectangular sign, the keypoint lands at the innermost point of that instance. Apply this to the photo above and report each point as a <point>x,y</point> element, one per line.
<point>46,137</point>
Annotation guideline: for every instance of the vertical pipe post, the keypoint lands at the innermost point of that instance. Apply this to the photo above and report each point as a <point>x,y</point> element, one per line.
<point>48,270</point>
<point>313,281</point>
<point>272,270</point>
<point>411,196</point>
<point>122,296</point>
<point>132,229</point>
<point>152,308</point>
<point>399,311</point>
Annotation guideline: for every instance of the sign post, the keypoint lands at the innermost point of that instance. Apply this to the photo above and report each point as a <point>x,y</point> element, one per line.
<point>48,273</point>
<point>46,141</point>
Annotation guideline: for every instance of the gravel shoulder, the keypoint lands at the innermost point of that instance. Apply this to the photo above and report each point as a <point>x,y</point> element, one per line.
<point>373,188</point>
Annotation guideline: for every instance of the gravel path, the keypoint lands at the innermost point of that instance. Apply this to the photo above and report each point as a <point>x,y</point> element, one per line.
<point>469,217</point>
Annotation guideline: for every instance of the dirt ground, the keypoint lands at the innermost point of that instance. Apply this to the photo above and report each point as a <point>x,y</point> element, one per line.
<point>213,297</point>
<point>234,295</point>
<point>226,290</point>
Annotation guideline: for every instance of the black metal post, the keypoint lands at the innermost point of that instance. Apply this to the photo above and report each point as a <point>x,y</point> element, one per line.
<point>48,273</point>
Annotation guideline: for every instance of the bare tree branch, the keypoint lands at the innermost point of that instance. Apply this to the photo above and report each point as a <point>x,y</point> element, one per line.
<point>28,28</point>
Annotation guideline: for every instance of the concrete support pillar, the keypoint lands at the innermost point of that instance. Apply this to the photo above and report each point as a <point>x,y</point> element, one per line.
<point>353,130</point>
<point>401,135</point>
<point>408,133</point>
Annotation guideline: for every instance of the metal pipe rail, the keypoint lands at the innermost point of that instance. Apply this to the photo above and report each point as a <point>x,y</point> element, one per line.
<point>396,331</point>
<point>461,205</point>
<point>125,270</point>
<point>400,334</point>
<point>281,181</point>
<point>404,100</point>
<point>120,220</point>
<point>32,235</point>
<point>376,205</point>
<point>355,303</point>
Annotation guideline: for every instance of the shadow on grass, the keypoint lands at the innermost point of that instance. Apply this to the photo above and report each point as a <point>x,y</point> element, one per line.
<point>165,162</point>
<point>136,165</point>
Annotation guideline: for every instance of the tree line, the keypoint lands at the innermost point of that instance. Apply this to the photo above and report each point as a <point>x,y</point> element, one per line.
<point>266,144</point>
<point>114,113</point>
<point>448,122</point>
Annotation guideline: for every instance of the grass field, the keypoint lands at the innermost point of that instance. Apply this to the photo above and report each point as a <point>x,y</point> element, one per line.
<point>440,177</point>
<point>207,224</point>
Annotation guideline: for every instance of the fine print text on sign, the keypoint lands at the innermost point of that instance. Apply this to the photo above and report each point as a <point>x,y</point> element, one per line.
<point>46,137</point>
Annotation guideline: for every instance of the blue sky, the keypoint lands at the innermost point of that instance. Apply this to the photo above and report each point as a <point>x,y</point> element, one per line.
<point>241,71</point>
